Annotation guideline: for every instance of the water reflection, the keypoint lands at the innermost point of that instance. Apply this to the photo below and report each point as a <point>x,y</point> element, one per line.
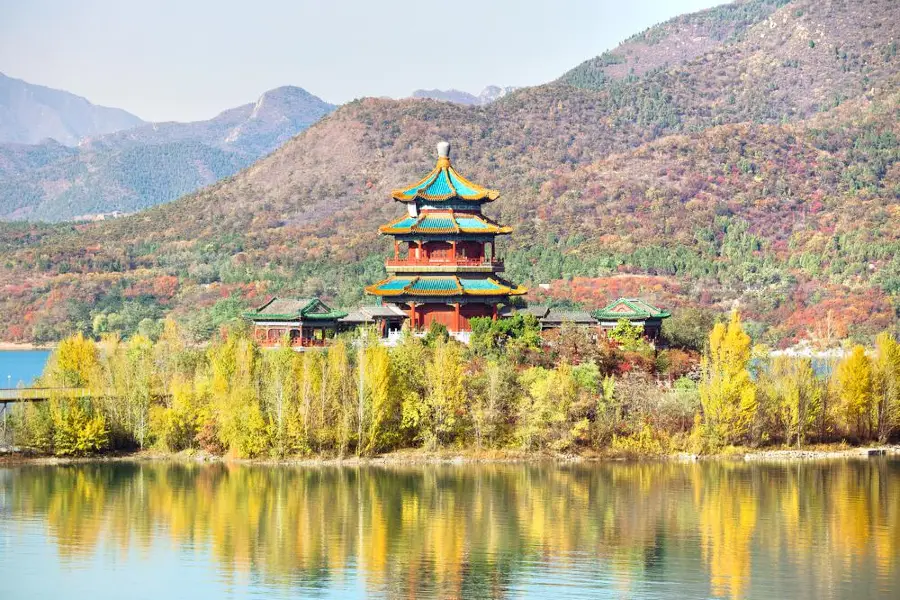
<point>638,530</point>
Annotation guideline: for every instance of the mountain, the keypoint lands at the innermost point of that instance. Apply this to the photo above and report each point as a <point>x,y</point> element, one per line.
<point>151,164</point>
<point>763,173</point>
<point>31,113</point>
<point>489,94</point>
<point>672,43</point>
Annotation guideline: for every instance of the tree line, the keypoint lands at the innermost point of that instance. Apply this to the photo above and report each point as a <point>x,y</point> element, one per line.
<point>566,391</point>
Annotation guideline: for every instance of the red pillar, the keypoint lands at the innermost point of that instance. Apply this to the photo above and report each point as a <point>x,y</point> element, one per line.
<point>453,250</point>
<point>494,312</point>
<point>456,317</point>
<point>412,316</point>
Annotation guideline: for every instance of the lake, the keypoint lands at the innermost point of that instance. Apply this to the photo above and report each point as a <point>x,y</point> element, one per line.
<point>21,366</point>
<point>638,530</point>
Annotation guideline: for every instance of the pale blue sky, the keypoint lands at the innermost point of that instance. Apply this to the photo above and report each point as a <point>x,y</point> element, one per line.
<point>187,60</point>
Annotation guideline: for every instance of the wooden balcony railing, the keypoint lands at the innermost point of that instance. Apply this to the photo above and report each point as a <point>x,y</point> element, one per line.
<point>443,262</point>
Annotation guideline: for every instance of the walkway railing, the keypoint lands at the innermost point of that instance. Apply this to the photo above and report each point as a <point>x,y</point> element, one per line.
<point>39,394</point>
<point>42,394</point>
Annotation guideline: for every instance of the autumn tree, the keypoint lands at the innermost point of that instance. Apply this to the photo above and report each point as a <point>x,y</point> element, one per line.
<point>492,397</point>
<point>886,375</point>
<point>853,384</point>
<point>445,394</point>
<point>381,400</point>
<point>727,392</point>
<point>794,396</point>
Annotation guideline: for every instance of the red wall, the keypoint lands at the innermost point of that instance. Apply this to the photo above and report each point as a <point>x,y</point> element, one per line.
<point>470,249</point>
<point>445,314</point>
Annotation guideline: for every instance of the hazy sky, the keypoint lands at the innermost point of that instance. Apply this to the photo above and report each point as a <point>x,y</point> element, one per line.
<point>188,60</point>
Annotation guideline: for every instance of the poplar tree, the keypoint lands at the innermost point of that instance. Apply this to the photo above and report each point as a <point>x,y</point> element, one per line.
<point>727,393</point>
<point>446,396</point>
<point>887,384</point>
<point>853,379</point>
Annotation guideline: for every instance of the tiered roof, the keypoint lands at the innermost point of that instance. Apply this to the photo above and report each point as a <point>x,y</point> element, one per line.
<point>294,309</point>
<point>444,183</point>
<point>632,309</point>
<point>443,285</point>
<point>443,223</point>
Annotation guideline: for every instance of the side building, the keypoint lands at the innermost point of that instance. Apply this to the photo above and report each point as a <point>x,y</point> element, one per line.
<point>445,267</point>
<point>305,322</point>
<point>636,311</point>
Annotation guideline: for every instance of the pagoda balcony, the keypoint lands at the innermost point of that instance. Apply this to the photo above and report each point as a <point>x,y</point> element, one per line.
<point>473,265</point>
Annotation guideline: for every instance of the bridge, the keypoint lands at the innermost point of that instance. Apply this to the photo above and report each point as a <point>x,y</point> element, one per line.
<point>41,394</point>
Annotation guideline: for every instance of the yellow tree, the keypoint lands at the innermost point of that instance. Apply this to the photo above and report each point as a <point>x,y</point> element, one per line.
<point>727,393</point>
<point>408,360</point>
<point>543,410</point>
<point>75,363</point>
<point>338,400</point>
<point>77,426</point>
<point>795,395</point>
<point>887,384</point>
<point>238,418</point>
<point>446,395</point>
<point>381,401</point>
<point>853,382</point>
<point>280,384</point>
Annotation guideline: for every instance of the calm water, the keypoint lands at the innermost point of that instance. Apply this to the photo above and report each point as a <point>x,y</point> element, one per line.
<point>827,530</point>
<point>21,366</point>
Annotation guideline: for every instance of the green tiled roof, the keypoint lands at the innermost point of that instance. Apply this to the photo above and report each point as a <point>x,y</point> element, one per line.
<point>480,285</point>
<point>444,183</point>
<point>631,308</point>
<point>435,284</point>
<point>443,285</point>
<point>395,284</point>
<point>443,222</point>
<point>471,223</point>
<point>296,309</point>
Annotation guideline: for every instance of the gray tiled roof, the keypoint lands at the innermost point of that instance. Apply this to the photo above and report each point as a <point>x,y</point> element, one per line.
<point>285,307</point>
<point>572,316</point>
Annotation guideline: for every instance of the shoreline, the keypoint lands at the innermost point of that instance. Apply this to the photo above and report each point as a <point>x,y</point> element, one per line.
<point>415,457</point>
<point>24,346</point>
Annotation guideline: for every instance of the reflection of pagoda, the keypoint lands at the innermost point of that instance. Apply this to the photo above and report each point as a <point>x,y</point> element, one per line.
<point>450,271</point>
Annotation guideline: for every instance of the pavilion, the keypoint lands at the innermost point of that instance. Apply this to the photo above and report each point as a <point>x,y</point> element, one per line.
<point>304,321</point>
<point>634,310</point>
<point>445,267</point>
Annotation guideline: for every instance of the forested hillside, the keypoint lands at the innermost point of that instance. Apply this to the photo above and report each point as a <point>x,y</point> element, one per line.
<point>148,165</point>
<point>763,172</point>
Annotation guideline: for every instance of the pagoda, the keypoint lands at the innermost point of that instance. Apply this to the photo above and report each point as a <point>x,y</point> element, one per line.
<point>445,267</point>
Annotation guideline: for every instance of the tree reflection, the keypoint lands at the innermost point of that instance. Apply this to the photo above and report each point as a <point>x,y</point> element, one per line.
<point>482,531</point>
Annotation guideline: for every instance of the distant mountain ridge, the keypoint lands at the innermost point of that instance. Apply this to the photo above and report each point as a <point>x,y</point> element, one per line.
<point>32,113</point>
<point>489,94</point>
<point>151,164</point>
